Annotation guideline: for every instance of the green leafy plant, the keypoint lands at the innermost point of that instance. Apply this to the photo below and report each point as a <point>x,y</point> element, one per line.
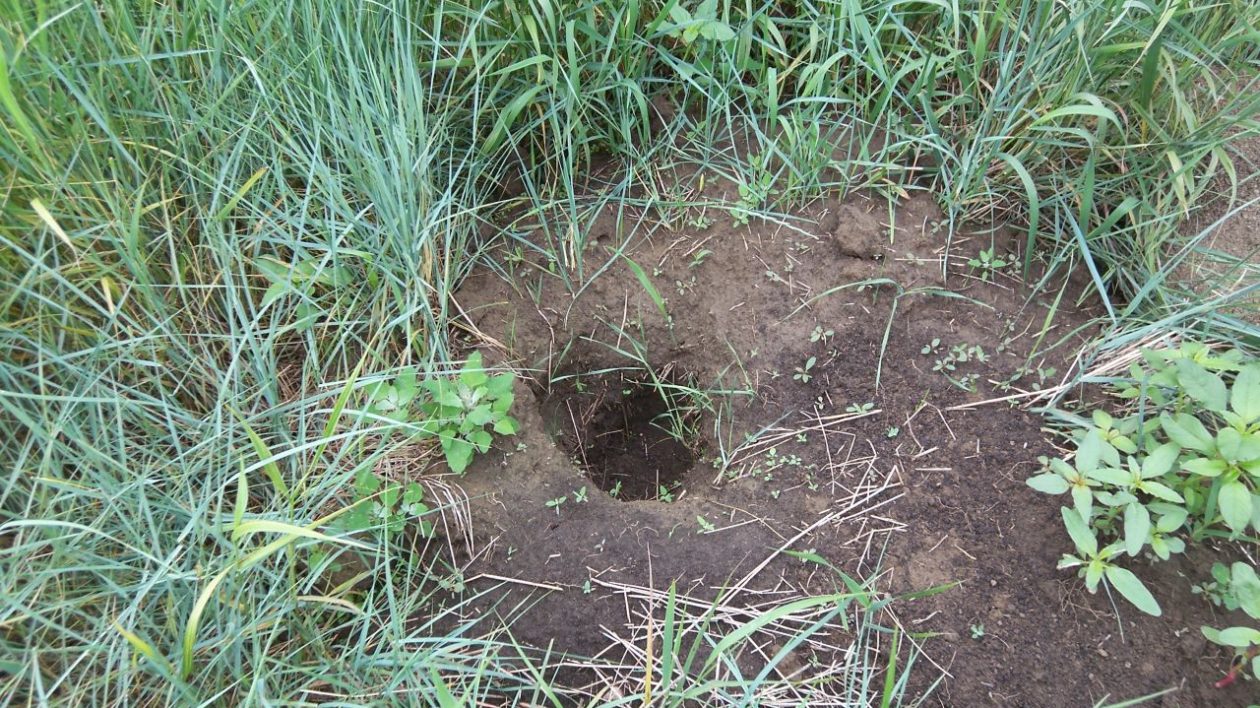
<point>386,507</point>
<point>957,355</point>
<point>754,191</point>
<point>665,493</point>
<point>803,373</point>
<point>703,22</point>
<point>1186,460</point>
<point>556,503</point>
<point>1096,564</point>
<point>988,264</point>
<point>821,335</point>
<point>1218,590</point>
<point>456,410</point>
<point>1244,593</point>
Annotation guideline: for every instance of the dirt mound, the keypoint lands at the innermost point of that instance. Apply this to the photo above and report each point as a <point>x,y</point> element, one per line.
<point>776,331</point>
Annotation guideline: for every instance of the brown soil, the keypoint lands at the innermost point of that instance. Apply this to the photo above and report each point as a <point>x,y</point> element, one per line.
<point>938,489</point>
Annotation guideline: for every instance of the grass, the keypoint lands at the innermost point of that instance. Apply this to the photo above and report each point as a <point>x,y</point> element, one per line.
<point>219,219</point>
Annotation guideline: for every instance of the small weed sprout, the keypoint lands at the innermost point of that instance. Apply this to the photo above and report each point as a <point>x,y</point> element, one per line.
<point>821,335</point>
<point>666,493</point>
<point>860,408</point>
<point>803,373</point>
<point>1219,590</point>
<point>988,264</point>
<point>957,355</point>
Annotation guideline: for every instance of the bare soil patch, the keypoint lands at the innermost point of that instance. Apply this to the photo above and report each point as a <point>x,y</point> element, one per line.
<point>814,456</point>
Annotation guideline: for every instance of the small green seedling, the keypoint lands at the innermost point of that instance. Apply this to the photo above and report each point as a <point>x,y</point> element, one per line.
<point>860,408</point>
<point>821,335</point>
<point>803,374</point>
<point>580,495</point>
<point>557,502</point>
<point>892,432</point>
<point>977,631</point>
<point>931,347</point>
<point>706,526</point>
<point>1218,591</point>
<point>987,263</point>
<point>665,494</point>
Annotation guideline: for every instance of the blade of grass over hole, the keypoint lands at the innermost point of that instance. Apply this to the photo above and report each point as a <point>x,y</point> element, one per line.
<point>240,194</point>
<point>791,644</point>
<point>761,621</point>
<point>254,526</point>
<point>11,104</point>
<point>1087,256</point>
<point>51,222</point>
<point>145,649</point>
<point>648,287</point>
<point>330,426</point>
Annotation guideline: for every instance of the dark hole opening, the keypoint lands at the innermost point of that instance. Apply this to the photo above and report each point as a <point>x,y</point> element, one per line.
<point>629,439</point>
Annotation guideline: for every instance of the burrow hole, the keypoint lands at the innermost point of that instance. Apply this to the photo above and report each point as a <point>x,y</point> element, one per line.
<point>633,439</point>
